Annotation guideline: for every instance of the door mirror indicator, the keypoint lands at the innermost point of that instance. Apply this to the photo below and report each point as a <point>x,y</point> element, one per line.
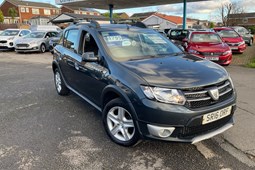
<point>89,57</point>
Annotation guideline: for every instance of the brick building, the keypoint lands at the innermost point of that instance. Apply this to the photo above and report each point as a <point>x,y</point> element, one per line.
<point>26,10</point>
<point>244,19</point>
<point>79,10</point>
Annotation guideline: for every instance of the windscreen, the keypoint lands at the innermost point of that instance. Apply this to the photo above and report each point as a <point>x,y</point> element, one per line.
<point>35,35</point>
<point>127,45</point>
<point>205,37</point>
<point>228,33</point>
<point>10,33</point>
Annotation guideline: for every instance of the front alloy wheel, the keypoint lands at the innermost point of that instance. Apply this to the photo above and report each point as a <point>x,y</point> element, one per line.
<point>119,123</point>
<point>43,48</point>
<point>251,42</point>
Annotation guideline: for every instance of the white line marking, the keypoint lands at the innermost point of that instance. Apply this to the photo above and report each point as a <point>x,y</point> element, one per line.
<point>206,152</point>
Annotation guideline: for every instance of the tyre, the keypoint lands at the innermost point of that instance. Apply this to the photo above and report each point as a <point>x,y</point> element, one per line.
<point>250,42</point>
<point>119,123</point>
<point>43,48</point>
<point>59,84</point>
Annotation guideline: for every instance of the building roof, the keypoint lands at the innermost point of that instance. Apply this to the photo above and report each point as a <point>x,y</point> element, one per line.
<point>174,19</point>
<point>119,4</point>
<point>30,3</point>
<point>40,16</point>
<point>142,15</point>
<point>81,8</point>
<point>243,15</point>
<point>64,16</point>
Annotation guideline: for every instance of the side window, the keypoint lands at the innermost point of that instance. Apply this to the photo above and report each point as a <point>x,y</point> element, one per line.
<point>65,38</point>
<point>23,33</point>
<point>70,39</point>
<point>53,34</point>
<point>88,44</point>
<point>26,32</point>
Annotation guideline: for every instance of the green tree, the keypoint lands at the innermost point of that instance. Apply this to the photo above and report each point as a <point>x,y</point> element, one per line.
<point>107,14</point>
<point>211,25</point>
<point>1,17</point>
<point>12,13</point>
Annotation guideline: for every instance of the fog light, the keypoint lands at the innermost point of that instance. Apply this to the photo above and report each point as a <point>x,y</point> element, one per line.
<point>162,132</point>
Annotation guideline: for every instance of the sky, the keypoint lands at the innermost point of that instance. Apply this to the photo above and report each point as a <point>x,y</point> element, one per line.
<point>206,10</point>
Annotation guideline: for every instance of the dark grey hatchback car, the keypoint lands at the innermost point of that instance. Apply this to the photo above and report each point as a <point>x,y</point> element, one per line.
<point>143,84</point>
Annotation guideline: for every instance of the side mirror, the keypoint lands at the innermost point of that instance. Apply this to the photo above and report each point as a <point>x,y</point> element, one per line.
<point>21,35</point>
<point>47,37</point>
<point>89,57</point>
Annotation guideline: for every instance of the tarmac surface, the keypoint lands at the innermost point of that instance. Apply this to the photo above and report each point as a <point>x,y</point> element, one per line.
<point>42,130</point>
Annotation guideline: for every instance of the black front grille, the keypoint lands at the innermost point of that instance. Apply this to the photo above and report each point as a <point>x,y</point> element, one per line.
<point>22,45</point>
<point>200,97</point>
<point>196,130</point>
<point>3,41</point>
<point>233,44</point>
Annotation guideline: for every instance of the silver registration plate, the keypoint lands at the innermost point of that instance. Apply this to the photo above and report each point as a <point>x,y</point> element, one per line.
<point>212,58</point>
<point>219,114</point>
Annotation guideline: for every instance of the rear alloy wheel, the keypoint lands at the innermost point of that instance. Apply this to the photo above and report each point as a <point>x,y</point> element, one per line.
<point>43,48</point>
<point>59,84</point>
<point>119,123</point>
<point>250,42</point>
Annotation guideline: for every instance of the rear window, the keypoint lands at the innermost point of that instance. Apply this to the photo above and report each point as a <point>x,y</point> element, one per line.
<point>203,37</point>
<point>178,33</point>
<point>228,33</point>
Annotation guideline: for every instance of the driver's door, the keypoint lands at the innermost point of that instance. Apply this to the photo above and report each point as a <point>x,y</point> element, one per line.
<point>90,78</point>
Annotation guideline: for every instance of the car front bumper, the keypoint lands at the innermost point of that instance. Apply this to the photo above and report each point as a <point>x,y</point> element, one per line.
<point>238,49</point>
<point>184,124</point>
<point>30,48</point>
<point>6,44</point>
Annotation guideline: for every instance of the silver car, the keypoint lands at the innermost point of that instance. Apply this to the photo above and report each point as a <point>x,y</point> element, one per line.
<point>35,41</point>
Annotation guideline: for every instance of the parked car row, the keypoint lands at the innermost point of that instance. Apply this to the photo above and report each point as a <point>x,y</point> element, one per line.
<point>23,40</point>
<point>216,44</point>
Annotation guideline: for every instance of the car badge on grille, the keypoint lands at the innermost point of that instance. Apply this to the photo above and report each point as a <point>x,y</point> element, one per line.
<point>214,93</point>
<point>211,53</point>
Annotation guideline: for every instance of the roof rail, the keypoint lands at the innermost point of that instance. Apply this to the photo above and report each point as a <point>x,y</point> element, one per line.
<point>139,24</point>
<point>131,22</point>
<point>94,24</point>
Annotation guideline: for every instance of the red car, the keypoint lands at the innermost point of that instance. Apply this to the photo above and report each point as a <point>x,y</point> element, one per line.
<point>208,45</point>
<point>232,38</point>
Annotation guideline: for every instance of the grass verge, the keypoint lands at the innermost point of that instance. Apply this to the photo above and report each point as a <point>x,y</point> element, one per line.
<point>251,64</point>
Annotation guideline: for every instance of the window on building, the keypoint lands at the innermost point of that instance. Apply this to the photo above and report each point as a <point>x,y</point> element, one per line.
<point>35,11</point>
<point>91,13</point>
<point>57,11</point>
<point>22,9</point>
<point>27,10</point>
<point>47,12</point>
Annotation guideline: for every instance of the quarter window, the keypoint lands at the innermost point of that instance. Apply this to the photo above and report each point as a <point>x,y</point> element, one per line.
<point>70,39</point>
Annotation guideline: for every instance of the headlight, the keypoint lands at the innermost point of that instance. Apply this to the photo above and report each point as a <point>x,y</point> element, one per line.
<point>193,51</point>
<point>11,38</point>
<point>227,52</point>
<point>164,95</point>
<point>33,43</point>
<point>241,43</point>
<point>231,82</point>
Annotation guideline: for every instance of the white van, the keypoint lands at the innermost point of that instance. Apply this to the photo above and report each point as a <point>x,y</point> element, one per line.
<point>44,28</point>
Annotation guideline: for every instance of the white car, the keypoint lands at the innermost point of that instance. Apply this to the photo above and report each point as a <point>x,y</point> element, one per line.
<point>9,36</point>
